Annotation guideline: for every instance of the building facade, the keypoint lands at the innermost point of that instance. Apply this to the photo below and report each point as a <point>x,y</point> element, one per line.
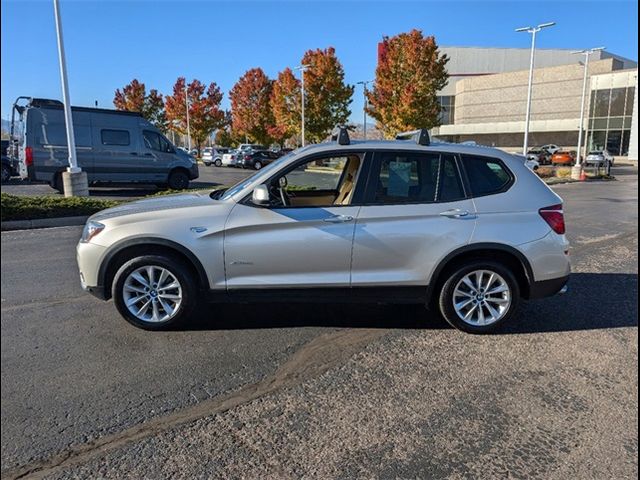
<point>485,100</point>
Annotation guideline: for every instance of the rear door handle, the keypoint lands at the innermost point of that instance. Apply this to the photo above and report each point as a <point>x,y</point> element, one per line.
<point>455,213</point>
<point>339,219</point>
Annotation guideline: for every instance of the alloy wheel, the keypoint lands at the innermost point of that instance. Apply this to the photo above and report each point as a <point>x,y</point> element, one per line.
<point>152,294</point>
<point>481,298</point>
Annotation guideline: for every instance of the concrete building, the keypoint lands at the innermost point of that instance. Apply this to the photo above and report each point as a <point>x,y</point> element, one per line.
<point>485,100</point>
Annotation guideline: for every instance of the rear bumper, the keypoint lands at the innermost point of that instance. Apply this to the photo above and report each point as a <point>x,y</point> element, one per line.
<point>548,288</point>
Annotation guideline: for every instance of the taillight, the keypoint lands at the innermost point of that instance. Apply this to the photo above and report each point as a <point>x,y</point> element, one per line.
<point>28,156</point>
<point>554,216</point>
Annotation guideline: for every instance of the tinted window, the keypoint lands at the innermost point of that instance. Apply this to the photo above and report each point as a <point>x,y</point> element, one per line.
<point>450,182</point>
<point>407,178</point>
<point>155,141</point>
<point>486,175</point>
<point>115,137</point>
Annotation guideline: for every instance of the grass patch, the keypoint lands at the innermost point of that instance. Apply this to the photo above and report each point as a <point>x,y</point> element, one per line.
<point>18,207</point>
<point>563,172</point>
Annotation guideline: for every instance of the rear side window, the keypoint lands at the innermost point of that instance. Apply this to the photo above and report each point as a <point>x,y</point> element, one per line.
<point>115,137</point>
<point>486,175</point>
<point>451,188</point>
<point>407,178</point>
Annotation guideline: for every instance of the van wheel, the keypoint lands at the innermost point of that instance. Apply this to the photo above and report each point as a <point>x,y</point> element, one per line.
<point>178,180</point>
<point>154,292</point>
<point>479,296</point>
<point>57,183</point>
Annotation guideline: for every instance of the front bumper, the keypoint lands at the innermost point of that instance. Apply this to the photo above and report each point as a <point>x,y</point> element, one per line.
<point>89,257</point>
<point>194,172</point>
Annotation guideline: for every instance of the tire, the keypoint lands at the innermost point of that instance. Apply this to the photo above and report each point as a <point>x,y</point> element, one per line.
<point>218,162</point>
<point>153,317</point>
<point>503,277</point>
<point>178,180</point>
<point>207,164</point>
<point>6,173</point>
<point>257,165</point>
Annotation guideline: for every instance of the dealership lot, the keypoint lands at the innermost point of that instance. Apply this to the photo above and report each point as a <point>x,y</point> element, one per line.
<point>326,390</point>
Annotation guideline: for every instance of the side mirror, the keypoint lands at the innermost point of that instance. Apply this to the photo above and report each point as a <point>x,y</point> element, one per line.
<point>260,195</point>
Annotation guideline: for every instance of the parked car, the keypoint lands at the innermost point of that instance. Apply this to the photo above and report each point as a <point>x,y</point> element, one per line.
<point>112,147</point>
<point>9,166</point>
<point>551,148</point>
<point>539,155</point>
<point>566,158</point>
<point>229,159</point>
<point>213,156</point>
<point>258,159</point>
<point>439,224</point>
<point>599,158</point>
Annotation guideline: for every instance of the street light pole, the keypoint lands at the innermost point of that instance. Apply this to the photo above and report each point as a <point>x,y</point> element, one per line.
<point>186,99</point>
<point>303,68</point>
<point>587,54</point>
<point>533,31</point>
<point>364,84</point>
<point>74,180</point>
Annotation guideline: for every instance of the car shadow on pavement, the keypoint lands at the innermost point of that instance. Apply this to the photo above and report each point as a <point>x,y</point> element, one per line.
<point>594,301</point>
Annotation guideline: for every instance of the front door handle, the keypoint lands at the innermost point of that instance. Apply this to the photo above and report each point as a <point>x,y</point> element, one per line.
<point>455,213</point>
<point>339,219</point>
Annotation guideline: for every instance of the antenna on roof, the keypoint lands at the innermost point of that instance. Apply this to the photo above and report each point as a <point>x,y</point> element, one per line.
<point>341,135</point>
<point>420,136</point>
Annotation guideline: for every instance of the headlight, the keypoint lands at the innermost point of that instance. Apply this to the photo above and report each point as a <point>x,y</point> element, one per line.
<point>91,229</point>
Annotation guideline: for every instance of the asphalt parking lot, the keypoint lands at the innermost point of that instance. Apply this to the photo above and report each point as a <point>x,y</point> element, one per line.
<point>326,391</point>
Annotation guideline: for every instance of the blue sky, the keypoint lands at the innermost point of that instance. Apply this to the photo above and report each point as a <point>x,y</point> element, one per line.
<point>108,43</point>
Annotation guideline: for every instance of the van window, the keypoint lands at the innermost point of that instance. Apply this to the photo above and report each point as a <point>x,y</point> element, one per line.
<point>157,142</point>
<point>115,137</point>
<point>407,178</point>
<point>486,175</point>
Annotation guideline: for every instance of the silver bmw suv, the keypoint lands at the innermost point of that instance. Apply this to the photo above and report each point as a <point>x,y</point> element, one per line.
<point>463,229</point>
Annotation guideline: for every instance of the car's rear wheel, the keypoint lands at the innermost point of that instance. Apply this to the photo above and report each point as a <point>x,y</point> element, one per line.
<point>6,173</point>
<point>154,292</point>
<point>479,296</point>
<point>207,164</point>
<point>57,183</point>
<point>218,162</point>
<point>178,180</point>
<point>257,165</point>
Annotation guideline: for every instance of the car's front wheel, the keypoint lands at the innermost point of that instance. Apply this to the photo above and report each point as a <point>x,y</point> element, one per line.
<point>217,162</point>
<point>154,292</point>
<point>479,296</point>
<point>257,165</point>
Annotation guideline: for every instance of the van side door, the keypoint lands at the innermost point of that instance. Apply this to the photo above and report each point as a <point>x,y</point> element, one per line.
<point>116,154</point>
<point>415,212</point>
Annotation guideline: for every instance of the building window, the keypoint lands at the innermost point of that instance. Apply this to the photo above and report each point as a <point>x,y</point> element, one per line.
<point>447,109</point>
<point>609,124</point>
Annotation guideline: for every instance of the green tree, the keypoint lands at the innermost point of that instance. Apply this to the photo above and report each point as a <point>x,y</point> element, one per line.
<point>410,72</point>
<point>327,96</point>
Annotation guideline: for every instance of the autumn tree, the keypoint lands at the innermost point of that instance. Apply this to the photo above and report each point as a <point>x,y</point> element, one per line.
<point>285,107</point>
<point>205,114</point>
<point>327,96</point>
<point>250,109</point>
<point>410,72</point>
<point>133,97</point>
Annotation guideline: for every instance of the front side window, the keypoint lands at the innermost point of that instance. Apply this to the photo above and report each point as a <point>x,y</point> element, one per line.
<point>115,137</point>
<point>155,141</point>
<point>486,175</point>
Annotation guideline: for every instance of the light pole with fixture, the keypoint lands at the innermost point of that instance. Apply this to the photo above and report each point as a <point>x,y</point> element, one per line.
<point>364,84</point>
<point>303,68</point>
<point>533,31</point>
<point>587,53</point>
<point>74,180</point>
<point>186,99</point>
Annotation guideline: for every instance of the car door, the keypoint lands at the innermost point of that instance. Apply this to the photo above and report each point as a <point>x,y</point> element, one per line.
<point>415,212</point>
<point>304,241</point>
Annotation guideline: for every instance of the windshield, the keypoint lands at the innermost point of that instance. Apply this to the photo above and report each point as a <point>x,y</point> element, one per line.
<point>240,186</point>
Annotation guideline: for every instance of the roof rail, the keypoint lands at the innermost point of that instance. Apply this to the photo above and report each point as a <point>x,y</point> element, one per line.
<point>420,136</point>
<point>342,135</point>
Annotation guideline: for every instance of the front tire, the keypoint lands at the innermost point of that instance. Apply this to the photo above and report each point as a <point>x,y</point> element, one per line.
<point>479,296</point>
<point>178,180</point>
<point>257,165</point>
<point>218,163</point>
<point>154,292</point>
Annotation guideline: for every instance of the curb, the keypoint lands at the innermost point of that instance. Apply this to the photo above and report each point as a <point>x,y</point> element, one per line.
<point>43,223</point>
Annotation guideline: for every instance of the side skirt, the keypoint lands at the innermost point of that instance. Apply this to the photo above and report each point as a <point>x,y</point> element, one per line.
<point>406,295</point>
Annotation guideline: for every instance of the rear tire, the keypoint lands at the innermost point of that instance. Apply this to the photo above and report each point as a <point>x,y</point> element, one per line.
<point>57,184</point>
<point>257,165</point>
<point>6,173</point>
<point>154,300</point>
<point>482,308</point>
<point>218,163</point>
<point>178,180</point>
